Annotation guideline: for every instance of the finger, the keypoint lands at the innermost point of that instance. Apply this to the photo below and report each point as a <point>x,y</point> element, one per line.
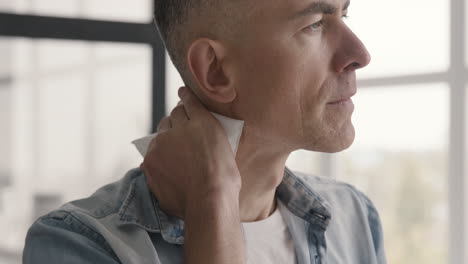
<point>193,105</point>
<point>164,124</point>
<point>178,116</point>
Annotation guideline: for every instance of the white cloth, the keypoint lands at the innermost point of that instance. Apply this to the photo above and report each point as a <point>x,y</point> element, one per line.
<point>268,241</point>
<point>232,127</point>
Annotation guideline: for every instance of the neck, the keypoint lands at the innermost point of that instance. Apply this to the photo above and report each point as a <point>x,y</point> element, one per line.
<point>261,165</point>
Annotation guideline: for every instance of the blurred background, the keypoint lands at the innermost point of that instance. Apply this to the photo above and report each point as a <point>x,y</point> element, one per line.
<point>80,79</point>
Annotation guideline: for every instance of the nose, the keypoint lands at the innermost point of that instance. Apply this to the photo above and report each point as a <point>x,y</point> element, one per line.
<point>351,54</point>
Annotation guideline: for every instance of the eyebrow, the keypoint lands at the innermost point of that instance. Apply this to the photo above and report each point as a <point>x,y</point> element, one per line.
<point>320,7</point>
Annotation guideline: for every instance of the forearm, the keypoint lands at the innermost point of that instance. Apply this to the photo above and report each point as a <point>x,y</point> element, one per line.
<point>213,232</point>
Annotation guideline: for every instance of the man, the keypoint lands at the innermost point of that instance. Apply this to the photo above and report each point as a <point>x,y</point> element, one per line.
<point>287,69</point>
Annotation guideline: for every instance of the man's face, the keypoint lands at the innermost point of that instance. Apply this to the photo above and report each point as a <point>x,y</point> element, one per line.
<point>293,59</point>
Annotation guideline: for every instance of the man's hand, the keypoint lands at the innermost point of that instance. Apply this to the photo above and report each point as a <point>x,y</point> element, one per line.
<point>190,159</point>
<point>191,169</point>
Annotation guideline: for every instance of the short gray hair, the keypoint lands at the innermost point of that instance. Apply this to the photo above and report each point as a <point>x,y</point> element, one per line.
<point>175,19</point>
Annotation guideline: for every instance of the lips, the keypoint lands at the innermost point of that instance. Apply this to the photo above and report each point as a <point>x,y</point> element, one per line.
<point>343,98</point>
<point>339,102</point>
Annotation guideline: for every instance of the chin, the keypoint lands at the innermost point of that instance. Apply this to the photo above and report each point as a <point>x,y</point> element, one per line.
<point>336,143</point>
<point>344,140</point>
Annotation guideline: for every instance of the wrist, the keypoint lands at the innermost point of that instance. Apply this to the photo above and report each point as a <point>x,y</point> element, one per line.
<point>214,202</point>
<point>213,231</point>
<point>224,178</point>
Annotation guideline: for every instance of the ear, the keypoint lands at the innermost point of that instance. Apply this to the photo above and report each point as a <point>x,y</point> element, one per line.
<point>206,61</point>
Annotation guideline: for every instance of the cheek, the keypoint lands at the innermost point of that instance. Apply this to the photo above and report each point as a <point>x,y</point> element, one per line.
<point>269,91</point>
<point>272,72</point>
<point>281,89</point>
<point>314,93</point>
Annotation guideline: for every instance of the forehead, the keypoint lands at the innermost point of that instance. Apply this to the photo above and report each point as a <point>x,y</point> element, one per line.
<point>286,8</point>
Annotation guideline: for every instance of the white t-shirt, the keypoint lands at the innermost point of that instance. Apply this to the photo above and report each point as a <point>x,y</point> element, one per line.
<point>269,241</point>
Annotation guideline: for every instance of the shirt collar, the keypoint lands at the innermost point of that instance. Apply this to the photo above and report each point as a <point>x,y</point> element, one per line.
<point>301,200</point>
<point>141,208</point>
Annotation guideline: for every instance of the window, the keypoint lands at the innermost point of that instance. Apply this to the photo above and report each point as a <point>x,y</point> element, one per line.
<point>73,94</point>
<point>399,158</point>
<point>73,109</point>
<point>403,37</point>
<point>410,120</point>
<point>119,10</point>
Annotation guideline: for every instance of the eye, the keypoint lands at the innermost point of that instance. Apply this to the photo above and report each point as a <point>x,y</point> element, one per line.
<point>315,26</point>
<point>345,18</point>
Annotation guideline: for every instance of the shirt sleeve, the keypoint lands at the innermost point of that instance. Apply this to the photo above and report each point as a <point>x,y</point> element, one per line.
<point>376,228</point>
<point>61,238</point>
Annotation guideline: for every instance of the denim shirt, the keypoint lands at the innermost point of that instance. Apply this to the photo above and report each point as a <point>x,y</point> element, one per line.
<point>330,222</point>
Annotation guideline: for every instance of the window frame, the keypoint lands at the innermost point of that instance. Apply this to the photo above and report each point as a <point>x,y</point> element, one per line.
<point>58,28</point>
<point>61,28</point>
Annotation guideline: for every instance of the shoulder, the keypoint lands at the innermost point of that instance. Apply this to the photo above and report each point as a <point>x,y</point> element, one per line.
<point>67,232</point>
<point>335,192</point>
<point>60,237</point>
<point>107,199</point>
<point>345,202</point>
<point>351,209</point>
